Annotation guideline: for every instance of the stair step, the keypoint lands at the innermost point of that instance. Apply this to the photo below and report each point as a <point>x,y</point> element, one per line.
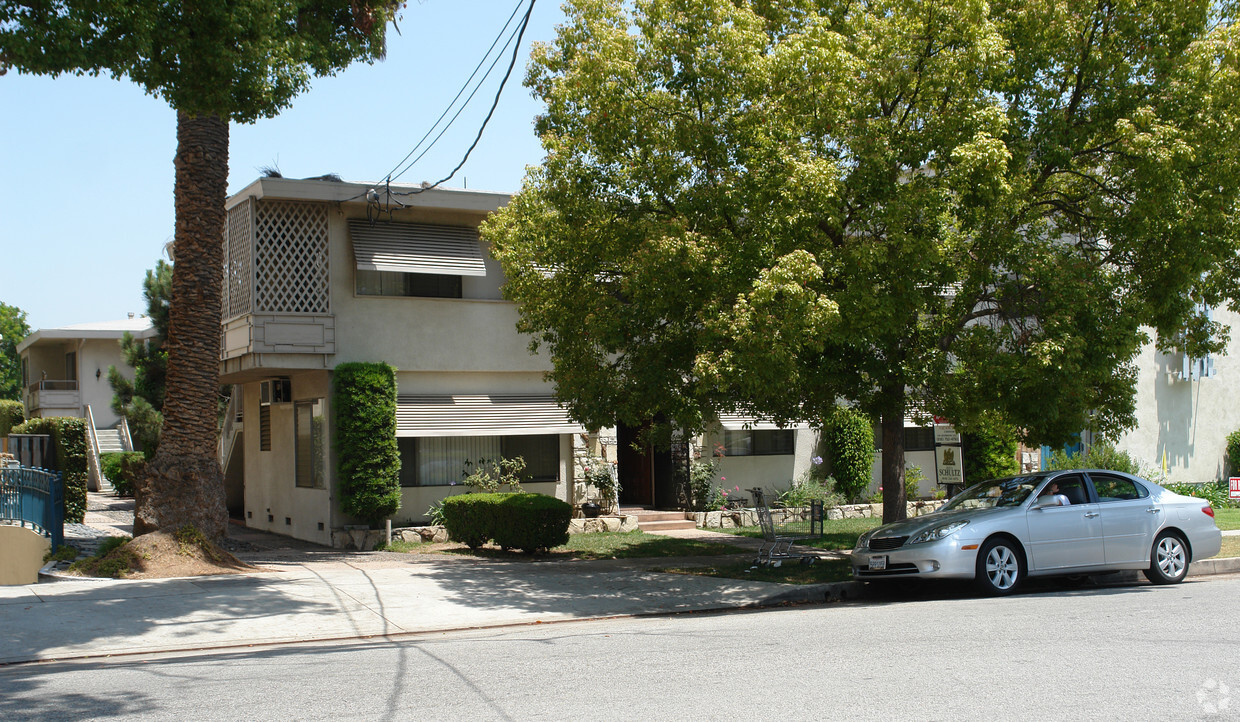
<point>644,515</point>
<point>666,525</point>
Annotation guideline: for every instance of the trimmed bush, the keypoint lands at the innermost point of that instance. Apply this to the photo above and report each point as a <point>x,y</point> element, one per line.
<point>123,469</point>
<point>990,450</point>
<point>364,405</point>
<point>12,413</point>
<point>69,440</point>
<point>848,437</point>
<point>529,522</point>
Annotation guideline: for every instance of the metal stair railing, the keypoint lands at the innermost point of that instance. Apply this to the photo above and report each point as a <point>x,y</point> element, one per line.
<point>34,497</point>
<point>94,474</point>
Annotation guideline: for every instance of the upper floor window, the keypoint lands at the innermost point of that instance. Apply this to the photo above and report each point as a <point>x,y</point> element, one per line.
<point>397,283</point>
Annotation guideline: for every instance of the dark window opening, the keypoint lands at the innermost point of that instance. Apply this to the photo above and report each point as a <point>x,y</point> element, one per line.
<point>396,283</point>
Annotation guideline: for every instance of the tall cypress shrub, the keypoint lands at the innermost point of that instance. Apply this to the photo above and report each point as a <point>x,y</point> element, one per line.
<point>364,408</point>
<point>848,436</point>
<point>12,413</point>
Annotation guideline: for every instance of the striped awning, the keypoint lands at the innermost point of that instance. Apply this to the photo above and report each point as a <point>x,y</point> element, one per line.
<point>481,415</point>
<point>738,422</point>
<point>416,248</point>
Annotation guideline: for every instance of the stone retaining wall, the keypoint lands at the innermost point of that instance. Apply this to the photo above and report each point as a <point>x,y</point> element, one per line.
<point>368,539</point>
<point>732,518</point>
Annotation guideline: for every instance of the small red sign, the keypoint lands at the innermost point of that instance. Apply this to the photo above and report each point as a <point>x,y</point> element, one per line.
<point>1233,484</point>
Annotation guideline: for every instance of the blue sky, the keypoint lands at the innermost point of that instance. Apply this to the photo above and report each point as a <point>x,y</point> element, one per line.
<point>86,175</point>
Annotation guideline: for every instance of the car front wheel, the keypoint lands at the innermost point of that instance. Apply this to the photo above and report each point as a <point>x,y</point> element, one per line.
<point>1168,560</point>
<point>1000,567</point>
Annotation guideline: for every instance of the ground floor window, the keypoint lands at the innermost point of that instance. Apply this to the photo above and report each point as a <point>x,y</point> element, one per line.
<point>759,442</point>
<point>443,460</point>
<point>309,422</point>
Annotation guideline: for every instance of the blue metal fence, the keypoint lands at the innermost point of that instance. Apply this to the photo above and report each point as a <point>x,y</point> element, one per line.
<point>34,497</point>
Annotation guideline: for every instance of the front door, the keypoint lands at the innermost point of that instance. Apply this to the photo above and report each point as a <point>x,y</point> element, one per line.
<point>635,467</point>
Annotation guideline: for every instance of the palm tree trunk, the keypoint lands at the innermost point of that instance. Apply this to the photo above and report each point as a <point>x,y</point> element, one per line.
<point>184,484</point>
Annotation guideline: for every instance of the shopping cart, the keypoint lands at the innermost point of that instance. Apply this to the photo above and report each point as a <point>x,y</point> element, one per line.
<point>780,537</point>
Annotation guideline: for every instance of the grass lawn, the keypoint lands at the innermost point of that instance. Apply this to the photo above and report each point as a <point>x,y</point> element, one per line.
<point>1227,518</point>
<point>601,545</point>
<point>822,571</point>
<point>837,533</point>
<point>1231,547</point>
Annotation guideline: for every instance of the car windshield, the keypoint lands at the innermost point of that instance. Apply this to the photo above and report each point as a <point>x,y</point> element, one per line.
<point>997,492</point>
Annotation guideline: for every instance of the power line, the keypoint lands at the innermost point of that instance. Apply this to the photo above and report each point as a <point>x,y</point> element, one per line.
<point>516,49</point>
<point>393,174</point>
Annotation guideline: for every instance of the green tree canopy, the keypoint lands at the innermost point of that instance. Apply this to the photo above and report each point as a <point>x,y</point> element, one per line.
<point>955,207</point>
<point>13,328</point>
<point>213,62</point>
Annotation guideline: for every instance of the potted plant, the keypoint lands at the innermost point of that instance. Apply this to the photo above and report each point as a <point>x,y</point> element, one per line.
<point>600,476</point>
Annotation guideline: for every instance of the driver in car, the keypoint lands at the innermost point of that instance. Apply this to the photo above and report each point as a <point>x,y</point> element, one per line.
<point>1051,495</point>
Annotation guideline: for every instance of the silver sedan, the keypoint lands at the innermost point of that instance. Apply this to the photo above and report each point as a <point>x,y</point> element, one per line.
<point>1080,521</point>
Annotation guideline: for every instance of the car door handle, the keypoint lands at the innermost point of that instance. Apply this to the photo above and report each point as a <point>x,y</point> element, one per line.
<point>1153,510</point>
<point>1091,515</point>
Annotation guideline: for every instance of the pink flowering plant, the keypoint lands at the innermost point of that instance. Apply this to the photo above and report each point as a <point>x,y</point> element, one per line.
<point>600,475</point>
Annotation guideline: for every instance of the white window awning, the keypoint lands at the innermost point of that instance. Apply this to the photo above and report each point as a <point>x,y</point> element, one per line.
<point>482,415</point>
<point>739,422</point>
<point>416,248</point>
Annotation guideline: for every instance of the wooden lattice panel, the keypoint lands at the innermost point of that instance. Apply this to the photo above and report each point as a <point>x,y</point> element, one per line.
<point>238,254</point>
<point>290,259</point>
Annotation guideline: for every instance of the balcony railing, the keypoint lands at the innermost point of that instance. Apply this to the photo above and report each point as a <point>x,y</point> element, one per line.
<point>54,385</point>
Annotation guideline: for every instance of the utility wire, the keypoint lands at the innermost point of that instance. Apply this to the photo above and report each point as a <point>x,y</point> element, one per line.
<point>516,49</point>
<point>393,174</point>
<point>464,105</point>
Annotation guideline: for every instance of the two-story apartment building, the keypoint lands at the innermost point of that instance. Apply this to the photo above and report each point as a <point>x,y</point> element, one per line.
<point>317,274</point>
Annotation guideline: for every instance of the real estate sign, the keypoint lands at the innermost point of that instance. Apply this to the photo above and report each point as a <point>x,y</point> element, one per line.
<point>1233,487</point>
<point>948,459</point>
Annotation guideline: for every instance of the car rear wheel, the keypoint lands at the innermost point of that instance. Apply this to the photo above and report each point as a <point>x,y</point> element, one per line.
<point>1168,560</point>
<point>1000,567</point>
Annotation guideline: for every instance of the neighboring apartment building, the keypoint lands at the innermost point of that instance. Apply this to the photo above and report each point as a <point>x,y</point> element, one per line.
<point>1186,408</point>
<point>65,370</point>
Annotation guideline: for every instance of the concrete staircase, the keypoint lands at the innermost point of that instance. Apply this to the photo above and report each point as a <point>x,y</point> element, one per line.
<point>109,441</point>
<point>654,522</point>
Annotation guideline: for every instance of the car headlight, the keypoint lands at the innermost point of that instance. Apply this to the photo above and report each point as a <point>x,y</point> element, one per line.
<point>938,532</point>
<point>863,541</point>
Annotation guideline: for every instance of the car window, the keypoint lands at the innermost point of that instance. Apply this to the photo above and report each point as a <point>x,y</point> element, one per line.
<point>1073,487</point>
<point>1116,488</point>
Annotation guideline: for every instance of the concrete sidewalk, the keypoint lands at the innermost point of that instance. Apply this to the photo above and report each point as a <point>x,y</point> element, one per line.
<point>307,593</point>
<point>367,597</point>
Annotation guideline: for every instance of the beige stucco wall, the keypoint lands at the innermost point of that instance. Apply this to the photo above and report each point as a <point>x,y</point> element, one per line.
<point>273,501</point>
<point>97,355</point>
<point>21,555</point>
<point>1185,419</point>
<point>474,333</point>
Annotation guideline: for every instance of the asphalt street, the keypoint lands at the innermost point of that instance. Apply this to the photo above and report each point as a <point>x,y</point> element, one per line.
<point>1098,652</point>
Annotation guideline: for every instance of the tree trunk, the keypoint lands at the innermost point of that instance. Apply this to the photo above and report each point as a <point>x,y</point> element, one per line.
<point>894,508</point>
<point>184,484</point>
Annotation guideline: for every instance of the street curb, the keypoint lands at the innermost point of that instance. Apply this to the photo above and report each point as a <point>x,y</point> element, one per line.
<point>1224,565</point>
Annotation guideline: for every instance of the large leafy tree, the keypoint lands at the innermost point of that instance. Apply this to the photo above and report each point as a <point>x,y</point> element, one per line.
<point>213,62</point>
<point>954,207</point>
<point>141,400</point>
<point>13,328</point>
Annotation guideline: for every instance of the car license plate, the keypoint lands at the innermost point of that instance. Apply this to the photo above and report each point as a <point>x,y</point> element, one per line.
<point>878,563</point>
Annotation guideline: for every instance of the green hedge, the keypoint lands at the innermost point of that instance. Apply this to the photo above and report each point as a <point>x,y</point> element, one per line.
<point>12,413</point>
<point>364,404</point>
<point>69,440</point>
<point>848,438</point>
<point>123,469</point>
<point>529,522</point>
<point>990,451</point>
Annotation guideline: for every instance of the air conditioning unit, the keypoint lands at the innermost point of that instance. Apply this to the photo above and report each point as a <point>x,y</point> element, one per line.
<point>276,391</point>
